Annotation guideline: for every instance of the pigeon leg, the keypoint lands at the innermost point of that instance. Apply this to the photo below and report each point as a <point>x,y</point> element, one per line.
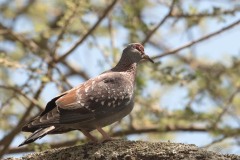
<point>88,135</point>
<point>106,137</point>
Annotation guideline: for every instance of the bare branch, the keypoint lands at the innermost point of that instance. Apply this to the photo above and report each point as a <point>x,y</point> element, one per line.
<point>18,37</point>
<point>28,149</point>
<point>107,10</point>
<point>32,100</point>
<point>159,24</point>
<point>7,140</point>
<point>104,53</point>
<point>226,107</point>
<point>215,141</point>
<point>25,8</point>
<point>64,28</point>
<point>201,15</point>
<point>198,40</point>
<point>74,71</point>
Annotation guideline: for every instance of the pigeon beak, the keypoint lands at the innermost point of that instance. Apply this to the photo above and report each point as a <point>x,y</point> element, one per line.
<point>147,58</point>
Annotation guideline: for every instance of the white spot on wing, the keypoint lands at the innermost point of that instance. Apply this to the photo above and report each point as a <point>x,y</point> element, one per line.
<point>102,103</point>
<point>128,102</point>
<point>79,96</point>
<point>96,100</point>
<point>86,89</point>
<point>109,103</point>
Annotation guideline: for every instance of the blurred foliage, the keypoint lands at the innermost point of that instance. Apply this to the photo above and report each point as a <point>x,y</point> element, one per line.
<point>34,34</point>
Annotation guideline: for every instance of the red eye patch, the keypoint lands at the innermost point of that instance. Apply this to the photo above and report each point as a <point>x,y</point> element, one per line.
<point>139,47</point>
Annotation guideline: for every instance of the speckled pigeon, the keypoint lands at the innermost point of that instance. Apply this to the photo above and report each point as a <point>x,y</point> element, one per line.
<point>96,103</point>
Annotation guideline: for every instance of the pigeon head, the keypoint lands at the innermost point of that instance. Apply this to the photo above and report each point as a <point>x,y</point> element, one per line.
<point>131,56</point>
<point>134,53</point>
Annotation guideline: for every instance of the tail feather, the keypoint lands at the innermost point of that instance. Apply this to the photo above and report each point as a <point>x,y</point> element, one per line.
<point>37,135</point>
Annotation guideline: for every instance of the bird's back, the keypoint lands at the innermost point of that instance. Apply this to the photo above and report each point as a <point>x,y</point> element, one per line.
<point>99,101</point>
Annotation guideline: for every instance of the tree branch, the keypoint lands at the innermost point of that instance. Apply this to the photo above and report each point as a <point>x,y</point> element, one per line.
<point>226,107</point>
<point>149,35</point>
<point>197,41</point>
<point>201,15</point>
<point>107,10</point>
<point>64,28</point>
<point>32,100</point>
<point>6,141</point>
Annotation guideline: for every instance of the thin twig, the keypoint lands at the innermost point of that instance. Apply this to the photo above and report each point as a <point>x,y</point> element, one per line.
<point>201,15</point>
<point>28,149</point>
<point>111,35</point>
<point>215,141</point>
<point>15,90</point>
<point>88,33</point>
<point>7,140</point>
<point>74,71</point>
<point>159,24</point>
<point>64,28</point>
<point>7,101</point>
<point>18,37</point>
<point>101,49</point>
<point>225,107</point>
<point>64,79</point>
<point>198,40</point>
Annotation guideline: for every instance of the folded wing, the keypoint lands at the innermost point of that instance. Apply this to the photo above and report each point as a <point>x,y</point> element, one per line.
<point>95,98</point>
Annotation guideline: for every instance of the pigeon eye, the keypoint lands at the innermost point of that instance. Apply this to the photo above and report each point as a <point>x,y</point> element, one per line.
<point>140,49</point>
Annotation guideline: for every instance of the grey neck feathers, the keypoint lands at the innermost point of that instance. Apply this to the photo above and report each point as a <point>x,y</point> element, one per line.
<point>125,65</point>
<point>130,70</point>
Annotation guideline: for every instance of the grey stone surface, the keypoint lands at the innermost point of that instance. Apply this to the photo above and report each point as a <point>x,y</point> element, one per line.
<point>129,150</point>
